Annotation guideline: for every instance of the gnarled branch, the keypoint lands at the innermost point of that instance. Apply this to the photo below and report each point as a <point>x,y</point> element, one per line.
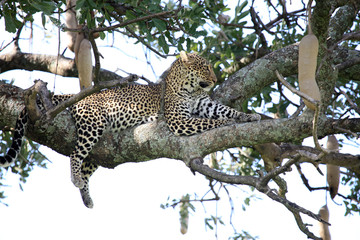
<point>47,63</point>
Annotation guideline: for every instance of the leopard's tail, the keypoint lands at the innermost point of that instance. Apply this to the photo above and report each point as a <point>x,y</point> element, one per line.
<point>13,152</point>
<point>20,128</point>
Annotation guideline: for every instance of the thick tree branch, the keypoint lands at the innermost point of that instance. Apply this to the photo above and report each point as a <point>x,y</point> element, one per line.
<point>154,140</point>
<point>341,22</point>
<point>349,161</point>
<point>249,80</point>
<point>47,63</point>
<point>239,87</point>
<point>347,62</point>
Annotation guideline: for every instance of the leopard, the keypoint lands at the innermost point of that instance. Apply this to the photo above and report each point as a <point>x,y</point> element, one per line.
<point>181,98</point>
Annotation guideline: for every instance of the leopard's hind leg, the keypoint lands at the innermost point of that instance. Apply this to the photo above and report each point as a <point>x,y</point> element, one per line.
<point>88,136</point>
<point>87,169</point>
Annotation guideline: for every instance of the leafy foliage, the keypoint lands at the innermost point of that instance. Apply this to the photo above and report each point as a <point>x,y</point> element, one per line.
<point>29,157</point>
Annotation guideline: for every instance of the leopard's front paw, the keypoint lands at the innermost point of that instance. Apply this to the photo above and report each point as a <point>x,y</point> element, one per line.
<point>255,117</point>
<point>78,181</point>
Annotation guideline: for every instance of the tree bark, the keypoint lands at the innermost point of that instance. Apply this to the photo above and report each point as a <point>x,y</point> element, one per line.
<point>47,63</point>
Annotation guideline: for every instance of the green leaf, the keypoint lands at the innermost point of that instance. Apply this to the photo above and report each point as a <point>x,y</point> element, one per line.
<point>238,9</point>
<point>243,14</point>
<point>91,3</point>
<point>46,7</point>
<point>163,44</point>
<point>56,22</point>
<point>159,24</point>
<point>200,33</point>
<point>10,25</point>
<point>208,224</point>
<point>129,15</point>
<point>247,201</point>
<point>79,4</point>
<point>188,44</point>
<point>102,35</point>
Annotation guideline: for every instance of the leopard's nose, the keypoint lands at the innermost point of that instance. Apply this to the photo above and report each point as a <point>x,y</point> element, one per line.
<point>204,84</point>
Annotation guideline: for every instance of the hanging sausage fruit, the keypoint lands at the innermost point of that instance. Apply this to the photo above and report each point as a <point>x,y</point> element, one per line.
<point>308,51</point>
<point>333,171</point>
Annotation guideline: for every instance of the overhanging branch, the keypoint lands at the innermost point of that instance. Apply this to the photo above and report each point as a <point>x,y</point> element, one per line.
<point>47,63</point>
<point>249,80</point>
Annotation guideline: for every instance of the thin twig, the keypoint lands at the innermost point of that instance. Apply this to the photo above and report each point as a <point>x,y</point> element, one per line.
<point>141,77</point>
<point>197,165</point>
<point>347,131</point>
<point>140,39</point>
<point>352,104</point>
<point>143,42</point>
<point>316,115</point>
<point>17,36</point>
<point>97,59</point>
<point>348,63</point>
<point>276,171</point>
<point>294,90</point>
<point>303,226</point>
<point>298,111</point>
<point>126,23</point>
<point>283,95</point>
<point>349,198</point>
<point>306,182</point>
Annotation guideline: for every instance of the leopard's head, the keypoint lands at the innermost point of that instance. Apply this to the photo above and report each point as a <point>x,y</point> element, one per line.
<point>192,73</point>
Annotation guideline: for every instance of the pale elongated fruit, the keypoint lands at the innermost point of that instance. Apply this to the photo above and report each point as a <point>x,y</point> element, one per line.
<point>324,228</point>
<point>84,64</point>
<point>308,51</point>
<point>184,214</point>
<point>333,171</point>
<point>71,22</point>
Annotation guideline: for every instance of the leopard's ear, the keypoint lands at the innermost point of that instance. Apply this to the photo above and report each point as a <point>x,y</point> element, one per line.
<point>183,56</point>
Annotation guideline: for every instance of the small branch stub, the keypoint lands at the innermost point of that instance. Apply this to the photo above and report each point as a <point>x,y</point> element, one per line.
<point>30,97</point>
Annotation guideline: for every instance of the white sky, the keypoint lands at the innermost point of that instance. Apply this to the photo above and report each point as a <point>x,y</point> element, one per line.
<point>127,199</point>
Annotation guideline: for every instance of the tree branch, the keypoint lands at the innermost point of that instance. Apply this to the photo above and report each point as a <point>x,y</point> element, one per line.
<point>349,161</point>
<point>197,165</point>
<point>126,23</point>
<point>255,76</point>
<point>47,63</point>
<point>276,171</point>
<point>249,80</point>
<point>154,140</point>
<point>352,104</point>
<point>341,22</point>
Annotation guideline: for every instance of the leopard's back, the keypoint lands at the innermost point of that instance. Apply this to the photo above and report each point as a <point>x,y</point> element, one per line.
<point>119,108</point>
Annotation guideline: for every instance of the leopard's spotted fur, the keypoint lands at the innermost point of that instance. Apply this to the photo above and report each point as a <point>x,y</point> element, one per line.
<point>187,109</point>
